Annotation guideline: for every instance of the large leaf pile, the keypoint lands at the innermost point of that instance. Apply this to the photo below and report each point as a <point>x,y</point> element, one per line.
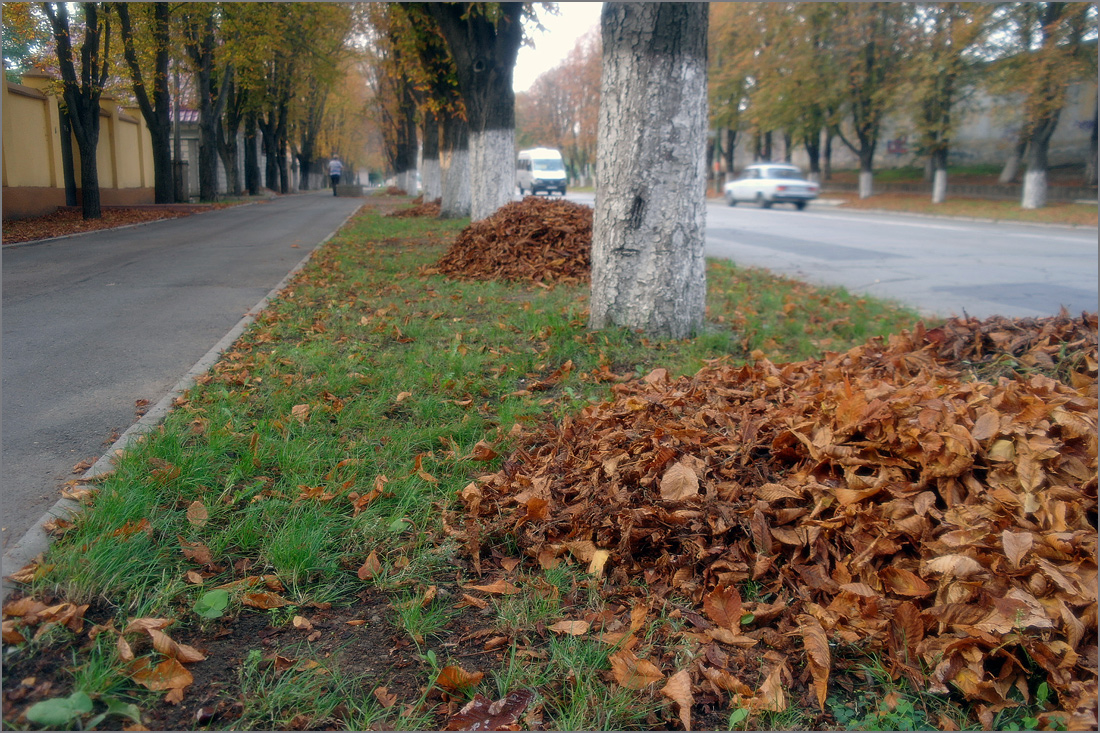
<point>877,500</point>
<point>537,239</point>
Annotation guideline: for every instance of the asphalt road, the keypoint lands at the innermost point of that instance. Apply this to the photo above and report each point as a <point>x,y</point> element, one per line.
<point>93,323</point>
<point>939,266</point>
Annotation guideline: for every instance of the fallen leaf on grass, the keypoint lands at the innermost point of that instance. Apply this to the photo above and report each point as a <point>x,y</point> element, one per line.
<point>169,675</point>
<point>484,714</point>
<point>370,568</point>
<point>499,587</point>
<point>573,628</point>
<point>483,452</point>
<point>678,689</point>
<point>263,600</point>
<point>453,678</point>
<point>633,673</point>
<point>384,697</point>
<point>196,551</point>
<point>197,514</point>
<point>170,648</point>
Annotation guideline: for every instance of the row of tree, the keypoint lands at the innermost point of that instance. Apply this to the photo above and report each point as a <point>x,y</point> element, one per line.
<point>825,73</point>
<point>267,70</point>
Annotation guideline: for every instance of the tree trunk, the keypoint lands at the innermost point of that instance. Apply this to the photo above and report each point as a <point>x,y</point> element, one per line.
<point>866,171</point>
<point>939,176</point>
<point>89,179</point>
<point>1012,164</point>
<point>281,144</point>
<point>405,158</point>
<point>786,147</point>
<point>827,168</point>
<point>455,162</point>
<point>431,173</point>
<point>813,152</point>
<point>270,148</point>
<point>731,146</point>
<point>648,268</point>
<point>1035,179</point>
<point>484,50</point>
<point>251,159</point>
<point>67,169</point>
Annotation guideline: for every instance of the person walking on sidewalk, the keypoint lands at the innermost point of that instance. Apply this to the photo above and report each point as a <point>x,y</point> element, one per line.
<point>335,170</point>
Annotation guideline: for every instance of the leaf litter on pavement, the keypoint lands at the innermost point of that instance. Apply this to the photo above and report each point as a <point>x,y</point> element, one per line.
<point>880,500</point>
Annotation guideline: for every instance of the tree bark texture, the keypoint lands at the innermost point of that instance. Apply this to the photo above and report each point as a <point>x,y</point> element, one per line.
<point>648,267</point>
<point>455,162</point>
<point>484,50</point>
<point>81,96</point>
<point>157,110</point>
<point>431,174</point>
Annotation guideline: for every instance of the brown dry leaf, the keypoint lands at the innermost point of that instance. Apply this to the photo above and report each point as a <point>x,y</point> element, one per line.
<point>146,624</point>
<point>11,634</point>
<point>772,696</point>
<point>633,673</point>
<point>498,587</point>
<point>483,452</point>
<point>196,551</point>
<point>573,628</point>
<point>264,600</point>
<point>599,560</point>
<point>679,482</point>
<point>168,675</point>
<point>959,566</point>
<point>384,697</point>
<point>371,567</point>
<point>484,714</point>
<point>1016,545</point>
<point>678,689</point>
<point>197,514</point>
<point>904,582</point>
<point>818,656</point>
<point>301,622</point>
<point>300,413</point>
<point>125,652</point>
<point>723,606</point>
<point>193,578</point>
<point>453,678</point>
<point>170,648</point>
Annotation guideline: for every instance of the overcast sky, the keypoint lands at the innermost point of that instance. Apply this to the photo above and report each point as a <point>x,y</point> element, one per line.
<point>555,43</point>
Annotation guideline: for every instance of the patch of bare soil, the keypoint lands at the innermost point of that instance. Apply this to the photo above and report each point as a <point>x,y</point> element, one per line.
<point>881,500</point>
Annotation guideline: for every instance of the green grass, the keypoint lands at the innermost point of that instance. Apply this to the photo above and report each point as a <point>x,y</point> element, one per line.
<point>365,375</point>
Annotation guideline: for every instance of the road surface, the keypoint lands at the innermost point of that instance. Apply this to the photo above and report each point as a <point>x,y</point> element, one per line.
<point>93,323</point>
<point>939,266</point>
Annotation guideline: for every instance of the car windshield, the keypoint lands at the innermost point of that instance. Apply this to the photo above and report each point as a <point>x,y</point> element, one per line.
<point>783,173</point>
<point>547,165</point>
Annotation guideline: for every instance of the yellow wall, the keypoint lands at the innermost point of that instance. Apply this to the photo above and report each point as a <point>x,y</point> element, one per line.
<point>33,172</point>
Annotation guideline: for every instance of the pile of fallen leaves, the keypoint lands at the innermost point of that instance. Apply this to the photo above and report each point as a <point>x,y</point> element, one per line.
<point>878,501</point>
<point>536,239</point>
<point>69,221</point>
<point>419,208</point>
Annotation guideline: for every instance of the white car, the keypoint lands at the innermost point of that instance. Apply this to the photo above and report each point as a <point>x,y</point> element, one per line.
<point>771,183</point>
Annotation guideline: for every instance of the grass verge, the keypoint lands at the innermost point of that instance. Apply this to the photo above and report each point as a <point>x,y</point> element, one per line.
<point>313,473</point>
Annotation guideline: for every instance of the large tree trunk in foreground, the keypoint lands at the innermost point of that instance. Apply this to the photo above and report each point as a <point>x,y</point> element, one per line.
<point>648,269</point>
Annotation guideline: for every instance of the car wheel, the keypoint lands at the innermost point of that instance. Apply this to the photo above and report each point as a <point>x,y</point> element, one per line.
<point>800,205</point>
<point>762,202</point>
<point>730,200</point>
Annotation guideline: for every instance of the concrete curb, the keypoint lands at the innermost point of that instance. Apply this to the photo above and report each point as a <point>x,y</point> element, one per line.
<point>37,540</point>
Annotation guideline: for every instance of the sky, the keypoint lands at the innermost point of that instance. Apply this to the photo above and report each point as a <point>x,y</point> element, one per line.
<point>554,44</point>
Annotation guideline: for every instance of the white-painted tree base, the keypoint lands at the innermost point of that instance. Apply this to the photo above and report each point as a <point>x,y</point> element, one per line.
<point>431,178</point>
<point>456,186</point>
<point>493,171</point>
<point>939,186</point>
<point>866,182</point>
<point>1035,190</point>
